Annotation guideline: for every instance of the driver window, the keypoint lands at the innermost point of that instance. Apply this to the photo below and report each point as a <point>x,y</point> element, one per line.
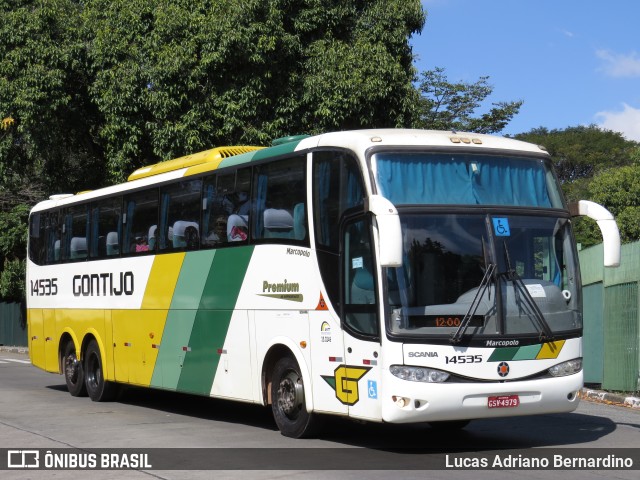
<point>360,295</point>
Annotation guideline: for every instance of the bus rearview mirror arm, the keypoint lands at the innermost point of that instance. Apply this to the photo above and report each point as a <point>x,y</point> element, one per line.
<point>608,227</point>
<point>389,230</point>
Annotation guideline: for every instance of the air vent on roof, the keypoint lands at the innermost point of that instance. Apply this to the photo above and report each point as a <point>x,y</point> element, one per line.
<point>208,156</point>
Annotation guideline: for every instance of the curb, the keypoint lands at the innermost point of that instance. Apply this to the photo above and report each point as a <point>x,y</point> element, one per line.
<point>611,398</point>
<point>23,350</point>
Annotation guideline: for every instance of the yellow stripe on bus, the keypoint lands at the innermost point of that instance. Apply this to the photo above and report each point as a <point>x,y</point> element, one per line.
<point>162,281</point>
<point>550,350</point>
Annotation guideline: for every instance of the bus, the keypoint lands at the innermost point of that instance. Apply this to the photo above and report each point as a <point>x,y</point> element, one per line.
<point>399,276</point>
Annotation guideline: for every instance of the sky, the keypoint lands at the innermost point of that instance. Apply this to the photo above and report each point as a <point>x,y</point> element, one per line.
<point>572,62</point>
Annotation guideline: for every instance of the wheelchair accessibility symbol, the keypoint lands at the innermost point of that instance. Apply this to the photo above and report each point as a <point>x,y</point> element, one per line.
<point>372,389</point>
<point>501,227</point>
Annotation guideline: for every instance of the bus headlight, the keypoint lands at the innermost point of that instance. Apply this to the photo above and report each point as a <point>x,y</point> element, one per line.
<point>566,368</point>
<point>419,374</point>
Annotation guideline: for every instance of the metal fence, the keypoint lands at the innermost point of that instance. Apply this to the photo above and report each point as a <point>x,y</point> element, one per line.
<point>13,325</point>
<point>612,319</point>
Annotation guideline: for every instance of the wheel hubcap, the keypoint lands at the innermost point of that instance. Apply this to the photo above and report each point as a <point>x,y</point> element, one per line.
<point>290,395</point>
<point>71,368</point>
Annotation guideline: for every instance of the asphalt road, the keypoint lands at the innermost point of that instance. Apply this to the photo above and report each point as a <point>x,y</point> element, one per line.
<point>36,411</point>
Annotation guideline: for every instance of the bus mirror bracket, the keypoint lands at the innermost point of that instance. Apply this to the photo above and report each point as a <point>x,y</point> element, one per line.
<point>608,227</point>
<point>389,230</point>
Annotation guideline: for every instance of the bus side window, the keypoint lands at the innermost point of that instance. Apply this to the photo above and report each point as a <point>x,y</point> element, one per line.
<point>140,221</point>
<point>179,217</point>
<point>238,220</point>
<point>280,199</point>
<point>76,233</point>
<point>226,207</point>
<point>338,187</point>
<point>51,237</point>
<point>37,250</point>
<point>105,228</point>
<point>214,215</point>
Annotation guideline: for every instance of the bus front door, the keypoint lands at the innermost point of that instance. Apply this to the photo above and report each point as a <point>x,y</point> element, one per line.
<point>359,380</point>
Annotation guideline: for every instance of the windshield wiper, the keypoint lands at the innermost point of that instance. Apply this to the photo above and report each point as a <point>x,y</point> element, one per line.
<point>456,337</point>
<point>519,286</point>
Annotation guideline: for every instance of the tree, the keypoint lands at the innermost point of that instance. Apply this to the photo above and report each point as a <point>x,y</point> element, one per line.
<point>98,88</point>
<point>48,117</point>
<point>45,135</point>
<point>13,244</point>
<point>619,190</point>
<point>91,90</point>
<point>444,105</point>
<point>588,163</point>
<point>580,152</point>
<point>171,78</point>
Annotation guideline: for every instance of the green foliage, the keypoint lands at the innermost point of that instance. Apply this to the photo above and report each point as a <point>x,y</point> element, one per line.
<point>43,90</point>
<point>13,225</point>
<point>13,246</point>
<point>444,105</point>
<point>619,190</point>
<point>580,152</point>
<point>12,280</point>
<point>598,165</point>
<point>171,78</point>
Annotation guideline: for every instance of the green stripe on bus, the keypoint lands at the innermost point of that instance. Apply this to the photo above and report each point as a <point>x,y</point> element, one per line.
<point>527,353</point>
<point>193,276</point>
<point>225,278</point>
<point>177,330</point>
<point>212,320</point>
<point>503,354</point>
<point>175,339</point>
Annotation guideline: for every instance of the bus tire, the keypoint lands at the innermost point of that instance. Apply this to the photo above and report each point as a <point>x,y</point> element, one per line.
<point>287,400</point>
<point>98,388</point>
<point>73,371</point>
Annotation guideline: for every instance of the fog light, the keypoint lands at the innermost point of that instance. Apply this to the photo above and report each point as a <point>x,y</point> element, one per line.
<point>401,402</point>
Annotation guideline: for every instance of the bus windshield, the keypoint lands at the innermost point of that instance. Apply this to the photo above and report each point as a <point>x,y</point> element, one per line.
<point>410,178</point>
<point>446,255</point>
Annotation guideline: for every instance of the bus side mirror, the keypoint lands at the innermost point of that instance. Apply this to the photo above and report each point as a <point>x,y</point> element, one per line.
<point>608,227</point>
<point>389,230</point>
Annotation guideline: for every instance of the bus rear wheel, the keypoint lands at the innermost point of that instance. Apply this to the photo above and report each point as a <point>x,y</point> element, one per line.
<point>73,371</point>
<point>287,400</point>
<point>98,388</point>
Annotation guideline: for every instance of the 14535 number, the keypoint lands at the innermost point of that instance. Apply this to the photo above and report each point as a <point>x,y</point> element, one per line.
<point>44,287</point>
<point>464,359</point>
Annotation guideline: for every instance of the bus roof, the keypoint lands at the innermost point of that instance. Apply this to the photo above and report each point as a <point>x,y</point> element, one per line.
<point>361,140</point>
<point>356,140</point>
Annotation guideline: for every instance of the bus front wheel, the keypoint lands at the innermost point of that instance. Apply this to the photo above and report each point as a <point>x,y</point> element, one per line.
<point>98,388</point>
<point>287,400</point>
<point>73,371</point>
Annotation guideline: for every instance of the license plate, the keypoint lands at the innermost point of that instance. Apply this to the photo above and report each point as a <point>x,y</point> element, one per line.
<point>504,401</point>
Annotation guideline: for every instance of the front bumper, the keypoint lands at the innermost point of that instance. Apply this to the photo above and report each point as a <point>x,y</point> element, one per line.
<point>428,402</point>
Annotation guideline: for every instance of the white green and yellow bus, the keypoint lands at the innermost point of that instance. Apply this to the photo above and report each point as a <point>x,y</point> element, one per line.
<point>398,276</point>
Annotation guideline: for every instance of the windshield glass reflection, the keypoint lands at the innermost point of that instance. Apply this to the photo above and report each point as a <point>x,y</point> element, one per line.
<point>446,257</point>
